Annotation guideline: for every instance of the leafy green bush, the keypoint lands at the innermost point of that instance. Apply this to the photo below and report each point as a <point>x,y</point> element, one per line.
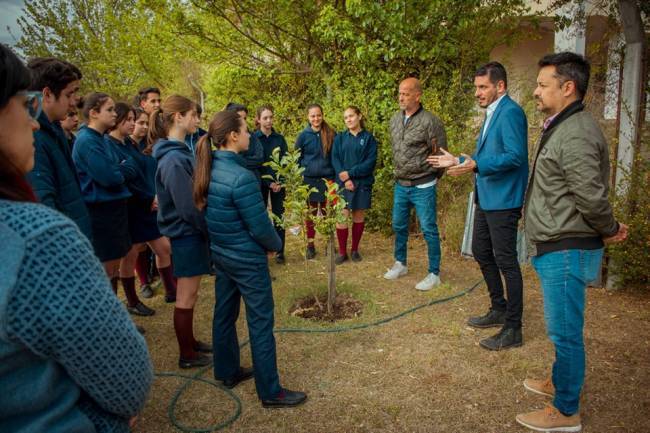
<point>631,258</point>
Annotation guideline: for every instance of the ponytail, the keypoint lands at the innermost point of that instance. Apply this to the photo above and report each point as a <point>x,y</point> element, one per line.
<point>202,169</point>
<point>327,133</point>
<point>221,125</point>
<point>162,119</point>
<point>156,130</point>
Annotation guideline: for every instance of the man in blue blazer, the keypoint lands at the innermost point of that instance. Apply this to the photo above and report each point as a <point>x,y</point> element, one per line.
<point>500,164</point>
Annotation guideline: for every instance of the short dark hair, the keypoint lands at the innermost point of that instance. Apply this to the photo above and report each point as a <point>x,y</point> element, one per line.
<point>15,77</point>
<point>53,73</point>
<point>142,94</point>
<point>495,72</point>
<point>234,106</point>
<point>569,67</point>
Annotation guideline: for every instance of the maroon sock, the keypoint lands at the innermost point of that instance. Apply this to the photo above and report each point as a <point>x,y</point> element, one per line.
<point>114,282</point>
<point>311,232</point>
<point>357,231</point>
<point>142,267</point>
<point>183,327</point>
<point>129,290</point>
<point>168,281</point>
<point>342,236</point>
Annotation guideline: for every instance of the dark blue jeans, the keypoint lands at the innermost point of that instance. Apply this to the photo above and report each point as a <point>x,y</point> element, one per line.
<point>234,281</point>
<point>564,275</point>
<point>424,201</point>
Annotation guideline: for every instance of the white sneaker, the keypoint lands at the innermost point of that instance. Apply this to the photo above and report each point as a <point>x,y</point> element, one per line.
<point>398,270</point>
<point>429,282</point>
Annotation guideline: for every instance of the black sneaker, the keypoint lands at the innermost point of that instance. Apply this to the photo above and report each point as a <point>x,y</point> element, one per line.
<point>355,256</point>
<point>201,360</point>
<point>242,375</point>
<point>341,259</point>
<point>493,318</point>
<point>279,259</point>
<point>146,291</point>
<point>311,252</point>
<point>286,398</point>
<point>202,347</point>
<point>140,309</point>
<point>505,339</point>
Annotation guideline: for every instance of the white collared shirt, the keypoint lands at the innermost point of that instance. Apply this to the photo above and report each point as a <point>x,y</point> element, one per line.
<point>488,114</point>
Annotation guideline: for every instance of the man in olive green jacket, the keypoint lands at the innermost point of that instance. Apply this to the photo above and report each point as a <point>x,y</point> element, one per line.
<point>568,219</point>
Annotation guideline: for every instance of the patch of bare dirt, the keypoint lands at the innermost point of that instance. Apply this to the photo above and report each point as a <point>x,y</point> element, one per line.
<point>315,308</point>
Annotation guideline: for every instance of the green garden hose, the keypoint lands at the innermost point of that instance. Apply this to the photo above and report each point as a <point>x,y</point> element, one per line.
<point>196,377</point>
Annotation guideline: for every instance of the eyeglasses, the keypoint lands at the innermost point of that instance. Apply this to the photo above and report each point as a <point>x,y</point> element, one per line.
<point>33,103</point>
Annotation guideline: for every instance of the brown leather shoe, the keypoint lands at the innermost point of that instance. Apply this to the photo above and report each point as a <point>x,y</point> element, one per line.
<point>542,387</point>
<point>550,419</point>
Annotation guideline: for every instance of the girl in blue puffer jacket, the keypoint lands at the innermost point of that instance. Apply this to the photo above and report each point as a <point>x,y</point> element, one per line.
<point>241,235</point>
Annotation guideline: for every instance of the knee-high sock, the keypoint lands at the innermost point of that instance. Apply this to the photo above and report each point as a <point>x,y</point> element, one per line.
<point>183,318</point>
<point>342,236</point>
<point>168,280</point>
<point>129,290</point>
<point>142,267</point>
<point>311,232</point>
<point>114,282</point>
<point>357,231</point>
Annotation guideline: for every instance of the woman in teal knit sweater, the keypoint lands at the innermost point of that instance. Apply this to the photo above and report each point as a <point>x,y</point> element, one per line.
<point>71,360</point>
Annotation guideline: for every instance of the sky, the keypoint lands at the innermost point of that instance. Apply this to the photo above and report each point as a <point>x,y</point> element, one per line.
<point>10,10</point>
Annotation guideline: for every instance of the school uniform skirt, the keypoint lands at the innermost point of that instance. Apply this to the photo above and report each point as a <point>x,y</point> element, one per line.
<point>110,226</point>
<point>360,198</point>
<point>191,256</point>
<point>319,184</point>
<point>143,226</point>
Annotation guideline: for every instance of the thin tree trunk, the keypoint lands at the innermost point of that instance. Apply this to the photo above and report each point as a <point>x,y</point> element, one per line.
<point>331,275</point>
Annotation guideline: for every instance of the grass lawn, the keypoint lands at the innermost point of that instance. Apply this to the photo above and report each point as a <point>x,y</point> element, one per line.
<point>421,373</point>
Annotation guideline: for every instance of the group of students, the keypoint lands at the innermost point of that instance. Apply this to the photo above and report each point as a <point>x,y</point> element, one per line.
<point>146,176</point>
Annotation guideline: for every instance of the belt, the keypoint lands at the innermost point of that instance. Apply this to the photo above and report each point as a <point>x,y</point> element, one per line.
<point>418,181</point>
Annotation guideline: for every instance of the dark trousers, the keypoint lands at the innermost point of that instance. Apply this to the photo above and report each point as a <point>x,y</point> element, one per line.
<point>277,207</point>
<point>494,246</point>
<point>252,282</point>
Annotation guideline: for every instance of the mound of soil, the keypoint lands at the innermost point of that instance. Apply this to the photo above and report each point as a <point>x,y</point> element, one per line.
<point>345,307</point>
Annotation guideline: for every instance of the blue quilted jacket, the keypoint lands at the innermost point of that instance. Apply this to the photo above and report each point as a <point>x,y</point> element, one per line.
<point>238,223</point>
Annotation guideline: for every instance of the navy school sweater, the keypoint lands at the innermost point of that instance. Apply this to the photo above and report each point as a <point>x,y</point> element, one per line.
<point>356,155</point>
<point>102,173</point>
<point>269,144</point>
<point>143,185</point>
<point>177,214</point>
<point>312,158</point>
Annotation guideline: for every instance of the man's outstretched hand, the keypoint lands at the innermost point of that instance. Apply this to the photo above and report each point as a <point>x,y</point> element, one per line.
<point>467,166</point>
<point>443,161</point>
